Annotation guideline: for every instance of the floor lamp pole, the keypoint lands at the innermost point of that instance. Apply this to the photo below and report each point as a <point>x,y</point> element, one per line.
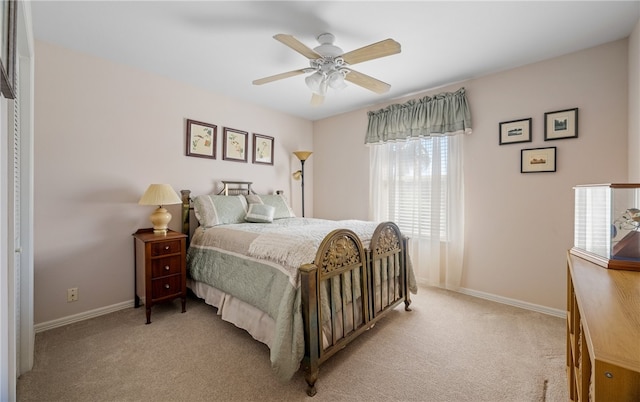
<point>302,156</point>
<point>302,185</point>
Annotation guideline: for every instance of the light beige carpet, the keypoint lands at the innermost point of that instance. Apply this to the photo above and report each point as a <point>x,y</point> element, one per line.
<point>451,347</point>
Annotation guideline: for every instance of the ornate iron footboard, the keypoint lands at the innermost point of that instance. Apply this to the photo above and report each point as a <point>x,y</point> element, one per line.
<point>348,289</point>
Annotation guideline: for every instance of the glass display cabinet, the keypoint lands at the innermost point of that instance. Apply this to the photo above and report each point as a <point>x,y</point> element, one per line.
<point>607,225</point>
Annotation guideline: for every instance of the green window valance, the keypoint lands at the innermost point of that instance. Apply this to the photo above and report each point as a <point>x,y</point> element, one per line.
<point>443,114</point>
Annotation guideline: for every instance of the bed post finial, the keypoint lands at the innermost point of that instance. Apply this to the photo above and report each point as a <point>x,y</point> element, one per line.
<point>186,206</point>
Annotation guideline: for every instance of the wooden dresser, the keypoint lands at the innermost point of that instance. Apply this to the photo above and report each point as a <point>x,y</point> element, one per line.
<point>160,268</point>
<point>603,332</point>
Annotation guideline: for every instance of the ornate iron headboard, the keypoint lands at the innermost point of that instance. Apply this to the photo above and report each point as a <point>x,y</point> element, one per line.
<point>236,188</point>
<point>229,188</point>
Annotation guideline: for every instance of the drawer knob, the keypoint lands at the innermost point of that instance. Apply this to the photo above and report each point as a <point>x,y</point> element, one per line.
<point>166,247</point>
<point>166,286</point>
<point>166,267</point>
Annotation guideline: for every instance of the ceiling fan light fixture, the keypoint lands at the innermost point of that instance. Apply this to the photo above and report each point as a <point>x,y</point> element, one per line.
<point>315,83</point>
<point>322,89</point>
<point>336,80</point>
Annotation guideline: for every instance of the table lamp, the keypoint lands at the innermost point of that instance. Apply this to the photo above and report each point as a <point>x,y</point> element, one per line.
<point>160,194</point>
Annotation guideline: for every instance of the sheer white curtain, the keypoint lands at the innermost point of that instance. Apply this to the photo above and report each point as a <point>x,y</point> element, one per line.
<point>417,180</point>
<point>418,184</point>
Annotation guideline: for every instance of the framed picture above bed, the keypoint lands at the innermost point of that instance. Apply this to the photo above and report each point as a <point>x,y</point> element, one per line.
<point>201,139</point>
<point>262,149</point>
<point>234,145</point>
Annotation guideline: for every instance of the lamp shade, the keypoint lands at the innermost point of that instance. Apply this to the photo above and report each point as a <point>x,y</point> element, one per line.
<point>160,194</point>
<point>336,80</point>
<point>303,155</point>
<point>314,82</point>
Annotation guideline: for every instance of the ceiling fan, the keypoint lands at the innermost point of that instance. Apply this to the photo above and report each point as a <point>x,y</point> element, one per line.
<point>330,66</point>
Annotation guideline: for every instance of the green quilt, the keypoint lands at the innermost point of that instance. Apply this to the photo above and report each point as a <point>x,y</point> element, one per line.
<point>258,263</point>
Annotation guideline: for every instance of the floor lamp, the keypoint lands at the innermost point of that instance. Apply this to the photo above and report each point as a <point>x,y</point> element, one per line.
<point>299,175</point>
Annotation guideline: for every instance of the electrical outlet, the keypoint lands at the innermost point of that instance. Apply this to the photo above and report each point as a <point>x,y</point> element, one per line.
<point>72,295</point>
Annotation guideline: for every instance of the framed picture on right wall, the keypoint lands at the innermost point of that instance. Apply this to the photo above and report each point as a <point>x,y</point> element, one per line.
<point>537,160</point>
<point>561,124</point>
<point>511,132</point>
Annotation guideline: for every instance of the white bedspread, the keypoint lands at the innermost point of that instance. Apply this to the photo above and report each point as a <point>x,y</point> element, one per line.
<point>296,242</point>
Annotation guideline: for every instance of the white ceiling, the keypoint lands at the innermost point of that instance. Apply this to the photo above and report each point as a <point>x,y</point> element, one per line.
<point>222,46</point>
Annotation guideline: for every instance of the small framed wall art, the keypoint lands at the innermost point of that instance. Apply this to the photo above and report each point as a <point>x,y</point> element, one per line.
<point>536,160</point>
<point>201,139</point>
<point>234,145</point>
<point>561,124</point>
<point>512,132</point>
<point>262,149</point>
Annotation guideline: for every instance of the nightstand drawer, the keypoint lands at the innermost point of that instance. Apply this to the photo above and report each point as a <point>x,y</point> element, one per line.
<point>165,247</point>
<point>166,266</point>
<point>166,286</point>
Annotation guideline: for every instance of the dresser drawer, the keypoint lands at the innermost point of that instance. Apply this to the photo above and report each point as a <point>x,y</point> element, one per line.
<point>165,247</point>
<point>166,286</point>
<point>166,266</point>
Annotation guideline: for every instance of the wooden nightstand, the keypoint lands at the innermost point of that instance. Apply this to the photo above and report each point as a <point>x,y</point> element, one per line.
<point>160,268</point>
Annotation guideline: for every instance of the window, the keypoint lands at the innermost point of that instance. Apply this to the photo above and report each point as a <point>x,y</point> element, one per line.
<point>417,197</point>
<point>418,184</point>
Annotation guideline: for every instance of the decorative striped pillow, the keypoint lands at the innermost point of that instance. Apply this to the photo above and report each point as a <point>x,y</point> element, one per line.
<point>282,208</point>
<point>212,210</point>
<point>260,213</point>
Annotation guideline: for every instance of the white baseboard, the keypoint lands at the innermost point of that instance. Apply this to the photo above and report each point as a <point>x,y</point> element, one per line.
<point>44,326</point>
<point>513,302</point>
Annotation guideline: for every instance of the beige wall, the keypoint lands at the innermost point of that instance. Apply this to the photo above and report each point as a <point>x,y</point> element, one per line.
<point>518,226</point>
<point>103,133</point>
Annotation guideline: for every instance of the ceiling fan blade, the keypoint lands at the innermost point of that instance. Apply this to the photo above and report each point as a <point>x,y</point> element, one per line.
<point>278,76</point>
<point>298,46</point>
<point>367,82</point>
<point>316,100</point>
<point>383,48</point>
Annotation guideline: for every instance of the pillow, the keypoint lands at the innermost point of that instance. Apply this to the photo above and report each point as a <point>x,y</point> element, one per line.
<point>212,210</point>
<point>282,208</point>
<point>260,213</point>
